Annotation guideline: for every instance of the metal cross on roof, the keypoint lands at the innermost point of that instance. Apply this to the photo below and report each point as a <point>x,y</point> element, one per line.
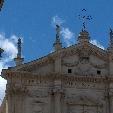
<point>84,17</point>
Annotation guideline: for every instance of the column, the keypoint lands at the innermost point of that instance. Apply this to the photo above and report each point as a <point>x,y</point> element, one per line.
<point>58,65</point>
<point>58,102</point>
<point>51,102</point>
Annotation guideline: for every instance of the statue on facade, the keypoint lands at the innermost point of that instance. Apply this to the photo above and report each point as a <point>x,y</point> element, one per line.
<point>1,4</point>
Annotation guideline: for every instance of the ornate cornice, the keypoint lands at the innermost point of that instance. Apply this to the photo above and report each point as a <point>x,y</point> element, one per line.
<point>56,76</point>
<point>7,74</point>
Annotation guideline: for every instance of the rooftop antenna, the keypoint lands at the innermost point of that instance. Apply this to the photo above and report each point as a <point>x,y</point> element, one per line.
<point>85,18</point>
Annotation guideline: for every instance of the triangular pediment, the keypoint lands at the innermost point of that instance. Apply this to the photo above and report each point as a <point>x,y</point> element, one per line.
<point>77,49</point>
<point>87,49</point>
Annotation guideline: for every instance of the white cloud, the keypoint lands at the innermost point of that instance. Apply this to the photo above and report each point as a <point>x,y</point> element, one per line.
<point>2,88</point>
<point>57,20</point>
<point>10,52</point>
<point>67,35</point>
<point>95,42</point>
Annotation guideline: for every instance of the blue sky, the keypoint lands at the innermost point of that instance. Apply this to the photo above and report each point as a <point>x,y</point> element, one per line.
<point>33,21</point>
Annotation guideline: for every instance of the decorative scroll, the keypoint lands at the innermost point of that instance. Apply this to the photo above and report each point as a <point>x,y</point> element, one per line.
<point>70,64</point>
<point>99,66</point>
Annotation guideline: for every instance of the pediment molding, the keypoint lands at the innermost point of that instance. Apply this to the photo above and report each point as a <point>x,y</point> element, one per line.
<point>83,51</point>
<point>80,50</point>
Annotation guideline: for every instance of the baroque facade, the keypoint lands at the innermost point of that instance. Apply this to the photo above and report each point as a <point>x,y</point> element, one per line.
<point>76,79</point>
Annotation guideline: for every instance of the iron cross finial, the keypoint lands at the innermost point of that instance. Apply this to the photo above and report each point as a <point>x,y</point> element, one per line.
<point>84,17</point>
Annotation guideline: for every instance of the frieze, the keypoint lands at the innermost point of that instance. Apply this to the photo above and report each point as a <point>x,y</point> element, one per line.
<point>16,89</point>
<point>84,85</point>
<point>38,93</point>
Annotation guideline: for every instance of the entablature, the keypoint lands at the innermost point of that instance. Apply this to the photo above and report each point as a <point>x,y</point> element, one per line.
<point>7,74</point>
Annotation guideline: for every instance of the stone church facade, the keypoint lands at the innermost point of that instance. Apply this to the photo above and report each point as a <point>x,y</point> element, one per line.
<point>76,79</point>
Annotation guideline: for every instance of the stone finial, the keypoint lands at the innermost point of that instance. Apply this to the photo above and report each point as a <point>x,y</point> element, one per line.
<point>19,48</point>
<point>18,60</point>
<point>1,51</point>
<point>111,38</point>
<point>57,45</point>
<point>110,48</point>
<point>57,33</point>
<point>83,36</point>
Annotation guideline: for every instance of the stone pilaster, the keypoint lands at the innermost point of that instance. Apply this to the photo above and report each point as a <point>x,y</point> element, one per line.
<point>110,62</point>
<point>58,64</point>
<point>58,99</point>
<point>107,96</point>
<point>51,105</point>
<point>15,99</point>
<point>10,100</point>
<point>58,105</point>
<point>112,103</point>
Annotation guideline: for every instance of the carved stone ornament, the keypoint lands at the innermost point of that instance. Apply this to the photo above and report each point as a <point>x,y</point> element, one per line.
<point>83,69</point>
<point>84,64</point>
<point>70,64</point>
<point>84,56</point>
<point>101,66</point>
